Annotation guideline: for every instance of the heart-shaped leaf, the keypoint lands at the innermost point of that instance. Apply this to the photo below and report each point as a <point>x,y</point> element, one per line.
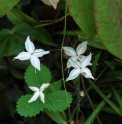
<point>18,17</point>
<point>108,16</point>
<point>13,41</point>
<point>82,13</point>
<point>6,5</point>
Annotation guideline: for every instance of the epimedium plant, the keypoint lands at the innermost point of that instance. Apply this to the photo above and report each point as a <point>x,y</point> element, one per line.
<point>55,101</point>
<point>51,100</point>
<point>99,27</point>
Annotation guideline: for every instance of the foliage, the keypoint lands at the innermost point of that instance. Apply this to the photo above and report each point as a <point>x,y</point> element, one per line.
<point>52,100</point>
<point>81,100</point>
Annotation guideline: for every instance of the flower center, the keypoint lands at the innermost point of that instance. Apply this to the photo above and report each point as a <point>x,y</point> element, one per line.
<point>79,57</point>
<point>84,74</point>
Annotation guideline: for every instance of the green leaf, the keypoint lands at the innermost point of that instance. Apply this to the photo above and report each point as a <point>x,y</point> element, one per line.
<point>118,96</point>
<point>95,63</point>
<point>29,109</point>
<point>6,5</point>
<point>82,13</point>
<point>57,85</point>
<point>108,16</point>
<point>57,101</point>
<point>116,108</point>
<point>37,78</point>
<point>97,110</point>
<point>52,103</point>
<point>13,41</point>
<point>94,43</point>
<point>17,17</point>
<point>16,73</point>
<point>3,67</point>
<point>58,117</point>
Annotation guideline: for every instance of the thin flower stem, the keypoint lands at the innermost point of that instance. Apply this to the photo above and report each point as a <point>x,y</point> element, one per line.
<point>78,99</point>
<point>72,87</point>
<point>89,97</point>
<point>62,55</point>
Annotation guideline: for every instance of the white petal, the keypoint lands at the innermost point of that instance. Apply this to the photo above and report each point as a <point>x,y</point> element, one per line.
<point>86,61</point>
<point>23,56</point>
<point>69,51</point>
<point>35,62</point>
<point>35,89</point>
<point>73,74</point>
<point>75,64</point>
<point>40,52</point>
<point>42,97</point>
<point>87,73</point>
<point>81,48</point>
<point>29,45</point>
<point>34,97</point>
<point>69,64</point>
<point>43,86</point>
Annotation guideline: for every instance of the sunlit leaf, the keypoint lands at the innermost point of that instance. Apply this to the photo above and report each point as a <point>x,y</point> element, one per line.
<point>108,16</point>
<point>82,13</point>
<point>6,5</point>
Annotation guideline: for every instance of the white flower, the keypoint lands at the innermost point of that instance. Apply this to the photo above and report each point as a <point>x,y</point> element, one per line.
<point>38,92</point>
<point>80,68</point>
<point>75,55</point>
<point>31,54</point>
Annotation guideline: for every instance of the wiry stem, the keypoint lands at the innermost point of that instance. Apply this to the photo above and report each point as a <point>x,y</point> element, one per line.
<point>89,97</point>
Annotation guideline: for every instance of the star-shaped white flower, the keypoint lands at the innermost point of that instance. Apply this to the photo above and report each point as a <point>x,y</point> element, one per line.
<point>31,54</point>
<point>38,92</point>
<point>80,68</point>
<point>75,55</point>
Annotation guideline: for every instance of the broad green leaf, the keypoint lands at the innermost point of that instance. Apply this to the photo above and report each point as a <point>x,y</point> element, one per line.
<point>56,116</point>
<point>17,17</point>
<point>108,16</point>
<point>57,85</point>
<point>29,109</point>
<point>95,113</point>
<point>94,43</point>
<point>58,101</point>
<point>6,5</point>
<point>13,41</point>
<point>37,78</point>
<point>82,13</point>
<point>52,103</point>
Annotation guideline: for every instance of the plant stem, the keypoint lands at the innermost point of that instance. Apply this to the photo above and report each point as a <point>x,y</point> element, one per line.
<point>88,97</point>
